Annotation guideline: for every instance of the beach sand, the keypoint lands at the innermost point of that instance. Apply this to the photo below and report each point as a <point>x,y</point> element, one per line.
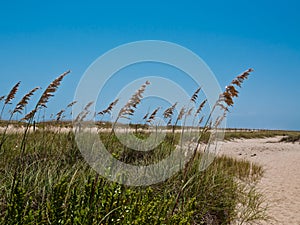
<point>281,181</point>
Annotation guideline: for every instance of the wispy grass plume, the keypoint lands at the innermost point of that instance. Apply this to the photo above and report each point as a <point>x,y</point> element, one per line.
<point>24,101</point>
<point>10,97</point>
<point>47,94</point>
<point>129,108</point>
<point>109,108</point>
<point>152,116</point>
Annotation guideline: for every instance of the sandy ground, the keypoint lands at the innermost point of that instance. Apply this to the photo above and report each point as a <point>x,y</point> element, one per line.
<point>281,180</point>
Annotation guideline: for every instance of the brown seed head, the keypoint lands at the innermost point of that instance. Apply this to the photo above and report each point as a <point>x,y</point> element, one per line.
<point>24,101</point>
<point>201,107</point>
<point>169,111</point>
<point>29,115</point>
<point>109,108</point>
<point>50,90</point>
<point>128,109</point>
<point>181,113</point>
<point>195,95</point>
<point>12,93</point>
<point>153,114</point>
<point>71,104</point>
<point>59,115</point>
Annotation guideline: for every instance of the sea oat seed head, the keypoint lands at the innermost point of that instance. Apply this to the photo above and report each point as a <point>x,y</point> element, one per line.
<point>12,93</point>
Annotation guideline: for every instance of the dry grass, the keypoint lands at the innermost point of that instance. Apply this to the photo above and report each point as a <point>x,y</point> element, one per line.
<point>47,94</point>
<point>9,97</point>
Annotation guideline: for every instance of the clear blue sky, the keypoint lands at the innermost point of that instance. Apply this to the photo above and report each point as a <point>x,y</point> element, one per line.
<point>41,39</point>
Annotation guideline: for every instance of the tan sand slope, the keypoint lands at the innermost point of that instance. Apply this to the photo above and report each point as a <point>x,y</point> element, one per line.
<point>281,181</point>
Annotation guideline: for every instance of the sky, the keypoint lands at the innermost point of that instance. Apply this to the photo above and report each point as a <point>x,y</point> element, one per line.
<point>40,40</point>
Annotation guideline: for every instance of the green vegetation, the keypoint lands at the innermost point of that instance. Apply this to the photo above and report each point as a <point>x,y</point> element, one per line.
<point>45,179</point>
<point>294,137</point>
<point>229,135</point>
<point>53,183</point>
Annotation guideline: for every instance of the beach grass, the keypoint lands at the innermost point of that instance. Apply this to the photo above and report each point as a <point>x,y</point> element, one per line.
<point>44,178</point>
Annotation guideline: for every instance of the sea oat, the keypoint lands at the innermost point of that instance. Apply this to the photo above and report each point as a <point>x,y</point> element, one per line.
<point>128,109</point>
<point>71,104</point>
<point>169,122</point>
<point>146,116</point>
<point>59,115</point>
<point>29,115</point>
<point>201,120</point>
<point>180,116</point>
<point>195,95</point>
<point>88,105</point>
<point>109,108</point>
<point>153,114</point>
<point>189,112</point>
<point>9,97</point>
<point>84,113</point>
<point>219,120</point>
<point>201,107</point>
<point>12,93</point>
<point>181,113</point>
<point>24,101</point>
<point>169,111</point>
<point>230,91</point>
<point>46,95</point>
<point>50,90</point>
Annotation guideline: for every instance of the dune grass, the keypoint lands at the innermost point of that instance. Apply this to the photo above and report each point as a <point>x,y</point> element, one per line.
<point>55,184</point>
<point>294,137</point>
<point>44,179</point>
<point>259,134</point>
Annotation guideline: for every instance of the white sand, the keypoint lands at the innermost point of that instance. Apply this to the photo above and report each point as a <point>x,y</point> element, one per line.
<point>281,180</point>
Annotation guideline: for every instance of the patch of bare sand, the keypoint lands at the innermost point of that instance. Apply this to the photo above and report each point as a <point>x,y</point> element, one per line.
<point>281,180</point>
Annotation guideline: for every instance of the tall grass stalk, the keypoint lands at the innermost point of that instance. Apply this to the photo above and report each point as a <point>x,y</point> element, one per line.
<point>45,180</point>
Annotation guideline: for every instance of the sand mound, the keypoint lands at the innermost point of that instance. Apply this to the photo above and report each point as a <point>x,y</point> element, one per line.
<point>281,181</point>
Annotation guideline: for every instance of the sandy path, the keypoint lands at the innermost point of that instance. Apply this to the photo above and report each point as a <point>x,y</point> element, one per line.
<point>281,181</point>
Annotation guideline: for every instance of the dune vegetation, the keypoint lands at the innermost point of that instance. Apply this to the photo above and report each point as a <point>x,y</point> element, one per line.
<point>44,178</point>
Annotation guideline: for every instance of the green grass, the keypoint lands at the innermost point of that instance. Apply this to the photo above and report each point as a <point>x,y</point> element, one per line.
<point>258,134</point>
<point>291,138</point>
<point>44,179</point>
<point>52,183</point>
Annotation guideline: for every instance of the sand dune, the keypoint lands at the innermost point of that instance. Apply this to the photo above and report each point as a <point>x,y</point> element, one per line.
<point>281,181</point>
